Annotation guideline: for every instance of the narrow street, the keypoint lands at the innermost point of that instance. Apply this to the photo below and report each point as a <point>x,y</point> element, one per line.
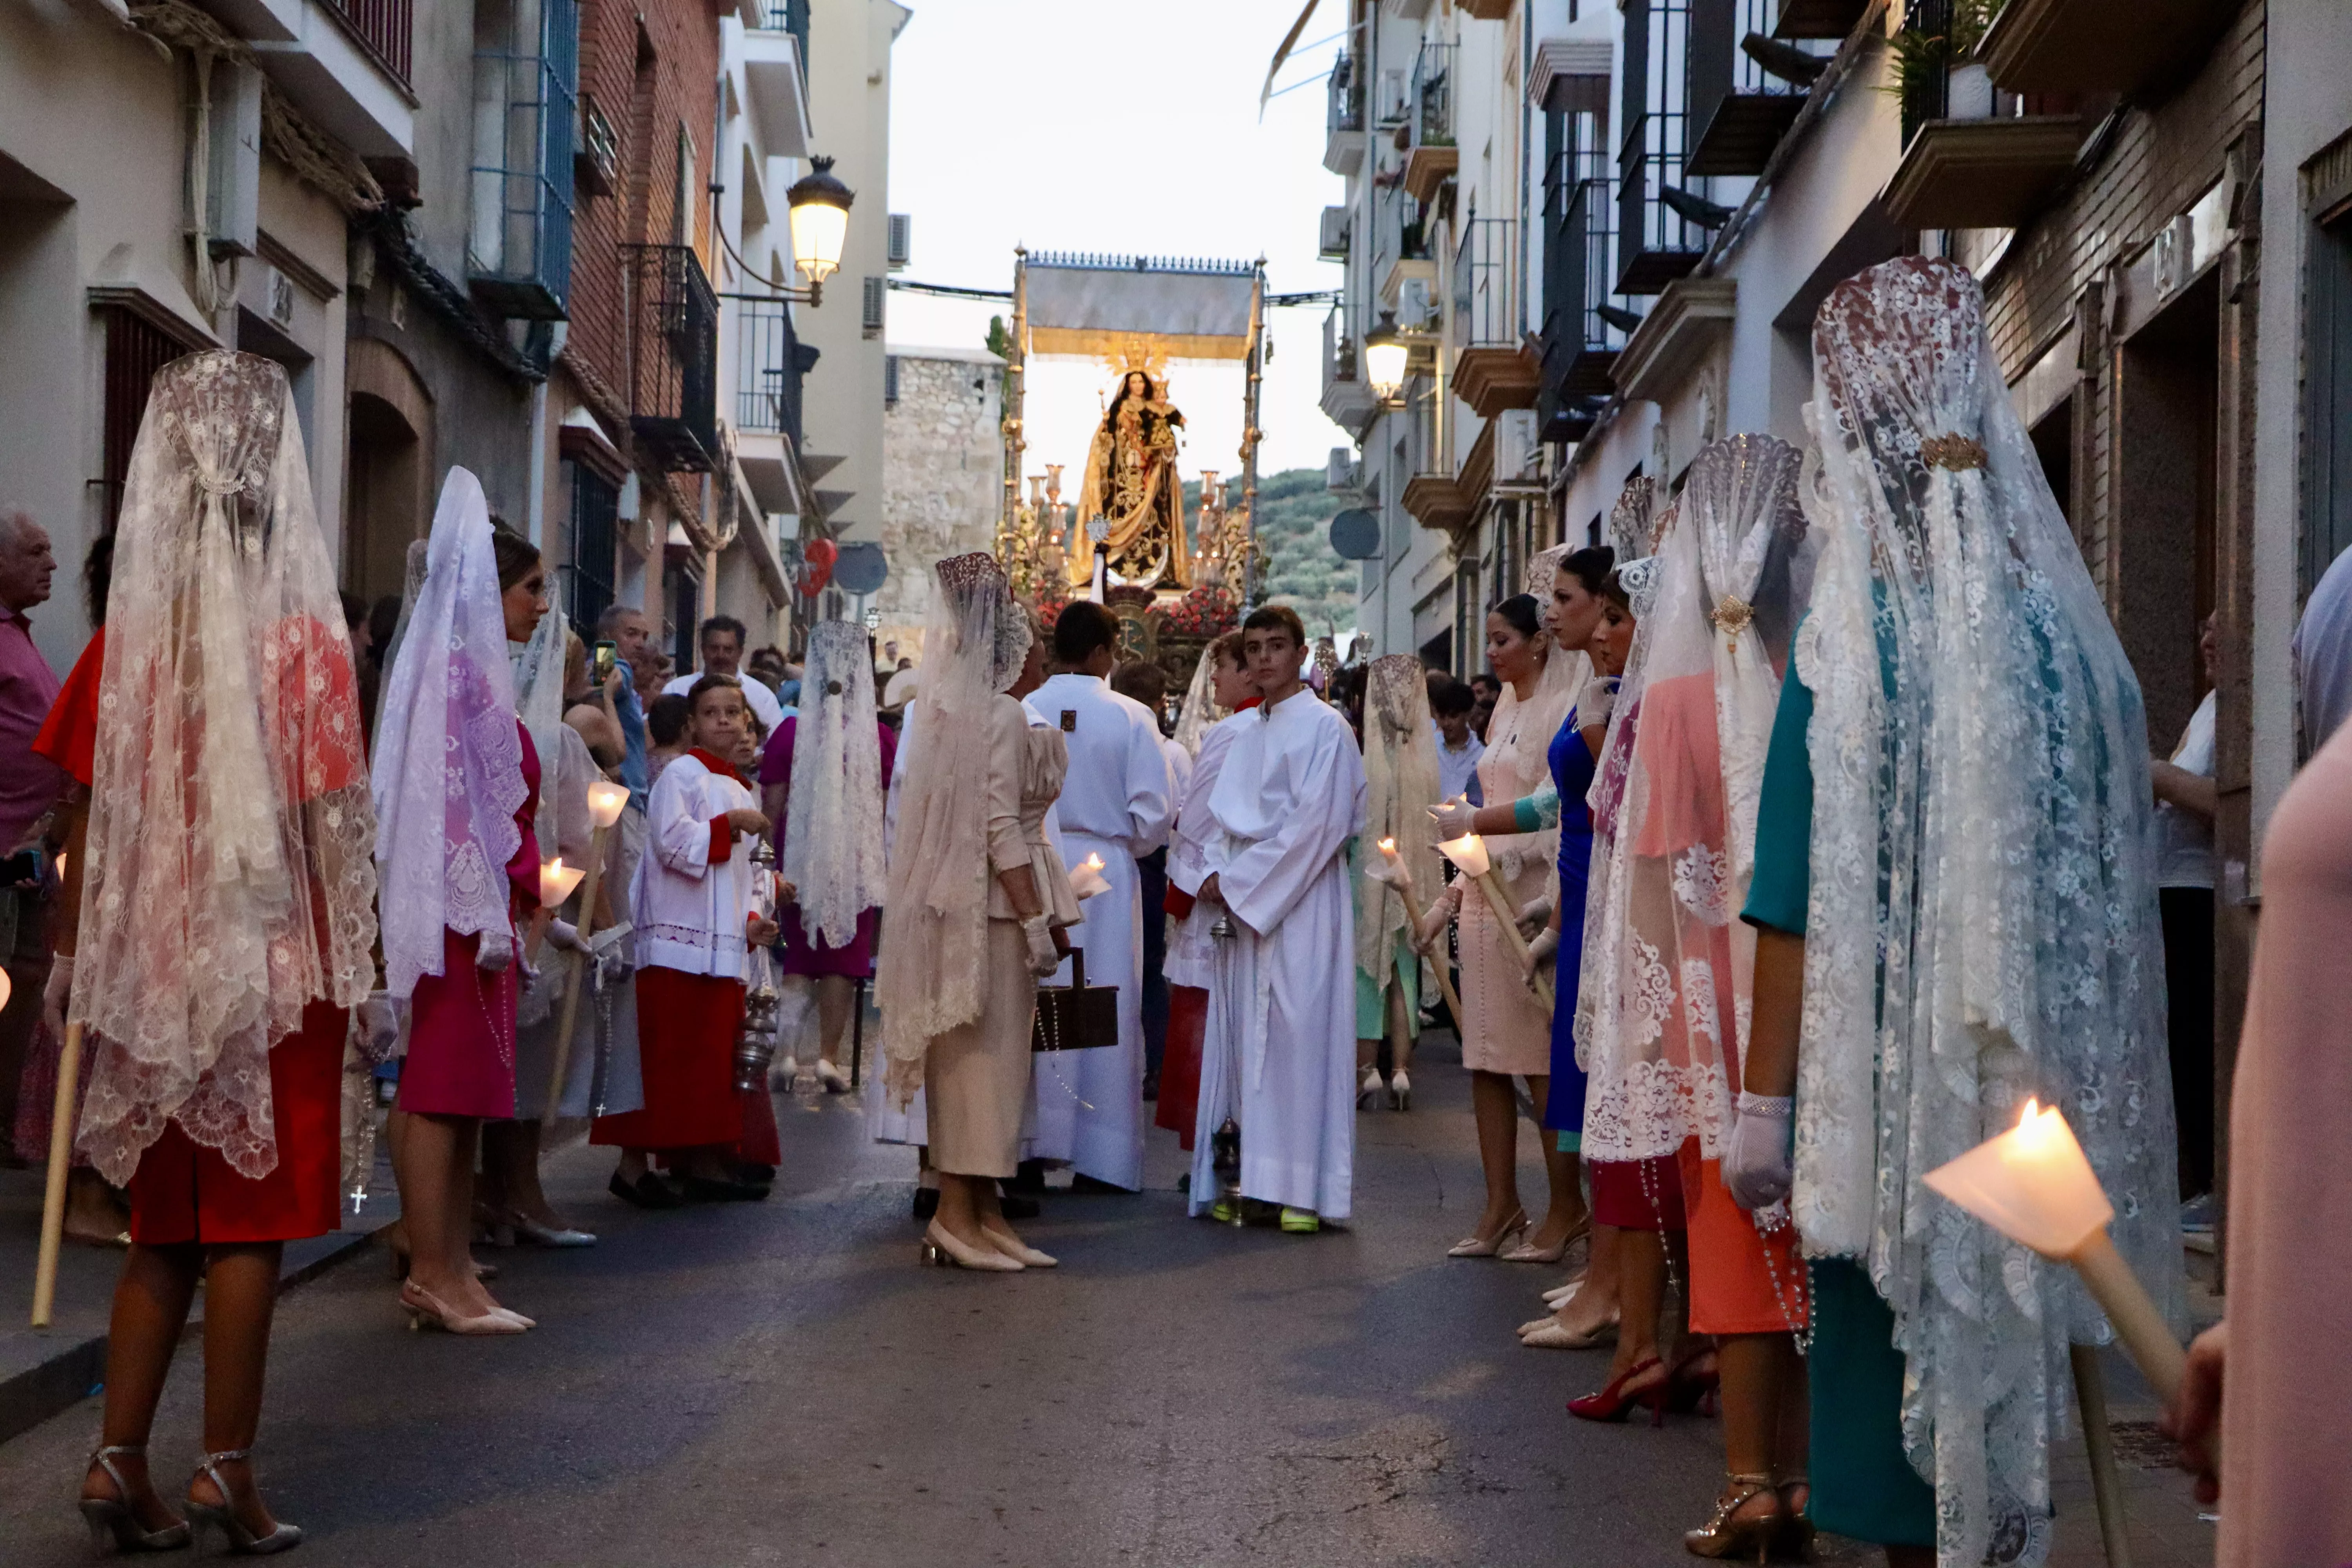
<point>780,1383</point>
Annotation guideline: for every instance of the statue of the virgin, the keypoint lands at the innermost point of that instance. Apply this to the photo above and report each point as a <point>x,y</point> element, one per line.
<point>1131,484</point>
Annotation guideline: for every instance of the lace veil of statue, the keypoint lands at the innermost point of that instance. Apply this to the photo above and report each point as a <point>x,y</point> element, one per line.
<point>933,975</point>
<point>1979,758</point>
<point>832,829</point>
<point>1200,710</point>
<point>1519,734</point>
<point>1682,963</point>
<point>1400,786</point>
<point>227,882</point>
<point>448,761</point>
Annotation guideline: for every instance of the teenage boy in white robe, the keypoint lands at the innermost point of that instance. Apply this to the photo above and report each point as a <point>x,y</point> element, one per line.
<point>1115,803</point>
<point>1279,1054</point>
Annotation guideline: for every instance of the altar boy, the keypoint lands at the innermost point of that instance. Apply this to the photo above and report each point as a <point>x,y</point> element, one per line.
<point>1279,1054</point>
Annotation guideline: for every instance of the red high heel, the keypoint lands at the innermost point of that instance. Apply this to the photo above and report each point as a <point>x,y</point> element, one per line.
<point>1693,1392</point>
<point>1615,1402</point>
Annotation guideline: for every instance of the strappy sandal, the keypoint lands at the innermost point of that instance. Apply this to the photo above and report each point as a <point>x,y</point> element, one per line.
<point>242,1542</point>
<point>114,1520</point>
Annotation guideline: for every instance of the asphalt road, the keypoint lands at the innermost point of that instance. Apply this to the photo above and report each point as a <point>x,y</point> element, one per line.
<point>780,1383</point>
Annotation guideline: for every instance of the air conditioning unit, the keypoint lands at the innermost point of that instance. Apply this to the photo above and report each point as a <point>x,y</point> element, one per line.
<point>233,178</point>
<point>1417,304</point>
<point>1395,100</point>
<point>1340,473</point>
<point>870,318</point>
<point>900,242</point>
<point>1517,454</point>
<point>1333,234</point>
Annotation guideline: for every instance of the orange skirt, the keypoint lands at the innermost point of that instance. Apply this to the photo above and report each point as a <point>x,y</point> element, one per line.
<point>1742,1280</point>
<point>183,1192</point>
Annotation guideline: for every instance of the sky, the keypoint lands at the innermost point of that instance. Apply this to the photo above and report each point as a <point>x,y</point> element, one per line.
<point>1123,126</point>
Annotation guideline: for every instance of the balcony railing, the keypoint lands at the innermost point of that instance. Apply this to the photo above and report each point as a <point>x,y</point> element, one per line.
<point>1581,341</point>
<point>1744,87</point>
<point>1345,110</point>
<point>1485,284</point>
<point>674,356</point>
<point>1655,244</point>
<point>771,363</point>
<point>1433,96</point>
<point>384,27</point>
<point>526,84</point>
<point>791,16</point>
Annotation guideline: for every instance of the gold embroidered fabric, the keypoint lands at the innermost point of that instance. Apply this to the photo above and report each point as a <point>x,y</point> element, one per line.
<point>1956,453</point>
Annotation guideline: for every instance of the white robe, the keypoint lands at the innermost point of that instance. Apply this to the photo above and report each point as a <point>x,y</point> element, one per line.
<point>1192,958</point>
<point>1279,1052</point>
<point>1115,805</point>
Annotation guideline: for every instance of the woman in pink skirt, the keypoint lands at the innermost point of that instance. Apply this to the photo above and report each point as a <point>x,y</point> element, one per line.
<point>457,782</point>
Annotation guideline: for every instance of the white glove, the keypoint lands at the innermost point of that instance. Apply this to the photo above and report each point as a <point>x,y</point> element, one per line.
<point>1595,702</point>
<point>1758,1163</point>
<point>566,935</point>
<point>1452,817</point>
<point>56,992</point>
<point>1534,915</point>
<point>496,951</point>
<point>1541,953</point>
<point>1043,956</point>
<point>1440,914</point>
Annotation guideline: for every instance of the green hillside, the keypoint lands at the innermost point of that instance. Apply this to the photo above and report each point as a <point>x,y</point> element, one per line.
<point>1293,527</point>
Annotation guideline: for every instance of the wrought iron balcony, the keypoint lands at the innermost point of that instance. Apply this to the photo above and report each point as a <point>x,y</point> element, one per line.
<point>1584,329</point>
<point>1656,244</point>
<point>384,27</point>
<point>672,356</point>
<point>1745,87</point>
<point>1343,118</point>
<point>1494,370</point>
<point>526,83</point>
<point>771,363</point>
<point>2131,47</point>
<point>1973,156</point>
<point>1430,153</point>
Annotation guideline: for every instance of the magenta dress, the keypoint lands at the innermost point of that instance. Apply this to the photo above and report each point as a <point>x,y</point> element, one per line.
<point>461,1032</point>
<point>802,956</point>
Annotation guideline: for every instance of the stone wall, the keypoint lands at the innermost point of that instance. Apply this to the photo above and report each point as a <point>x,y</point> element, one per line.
<point>942,476</point>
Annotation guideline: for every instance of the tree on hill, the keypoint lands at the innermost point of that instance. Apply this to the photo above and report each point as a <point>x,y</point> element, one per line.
<point>1293,518</point>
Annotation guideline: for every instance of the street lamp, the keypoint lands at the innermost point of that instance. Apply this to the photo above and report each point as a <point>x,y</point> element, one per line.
<point>820,217</point>
<point>1384,357</point>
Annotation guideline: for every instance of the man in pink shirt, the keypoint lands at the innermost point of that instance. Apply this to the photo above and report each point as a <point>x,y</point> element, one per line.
<point>28,788</point>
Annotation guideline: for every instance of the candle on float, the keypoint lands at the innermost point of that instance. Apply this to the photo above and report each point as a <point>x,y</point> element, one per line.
<point>605,802</point>
<point>557,881</point>
<point>2033,1185</point>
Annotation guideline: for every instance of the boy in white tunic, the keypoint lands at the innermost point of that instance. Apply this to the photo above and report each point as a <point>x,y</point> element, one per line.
<point>1279,1055</point>
<point>1115,803</point>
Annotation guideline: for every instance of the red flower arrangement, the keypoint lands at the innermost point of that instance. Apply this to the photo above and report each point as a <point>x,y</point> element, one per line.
<point>1207,610</point>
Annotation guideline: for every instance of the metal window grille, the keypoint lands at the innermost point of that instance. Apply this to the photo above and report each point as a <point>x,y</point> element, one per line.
<point>770,361</point>
<point>875,292</point>
<point>135,350</point>
<point>526,87</point>
<point>1656,245</point>
<point>890,381</point>
<point>674,355</point>
<point>594,535</point>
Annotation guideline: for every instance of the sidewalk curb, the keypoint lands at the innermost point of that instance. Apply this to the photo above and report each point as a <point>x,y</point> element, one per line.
<point>70,1375</point>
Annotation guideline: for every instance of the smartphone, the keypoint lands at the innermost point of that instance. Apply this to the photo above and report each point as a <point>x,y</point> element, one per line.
<point>26,868</point>
<point>608,656</point>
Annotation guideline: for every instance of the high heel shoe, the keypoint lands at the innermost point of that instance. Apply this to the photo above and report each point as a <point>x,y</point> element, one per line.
<point>834,1080</point>
<point>941,1247</point>
<point>1617,1400</point>
<point>399,1257</point>
<point>116,1521</point>
<point>1690,1388</point>
<point>1367,1093</point>
<point>1526,1252</point>
<point>1748,1536</point>
<point>222,1516</point>
<point>1488,1245</point>
<point>1551,1334</point>
<point>1020,1251</point>
<point>1795,1542</point>
<point>425,1309</point>
<point>1400,1090</point>
<point>538,1235</point>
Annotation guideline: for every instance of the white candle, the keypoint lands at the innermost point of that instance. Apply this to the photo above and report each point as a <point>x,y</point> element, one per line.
<point>2031,1183</point>
<point>557,881</point>
<point>1468,854</point>
<point>605,802</point>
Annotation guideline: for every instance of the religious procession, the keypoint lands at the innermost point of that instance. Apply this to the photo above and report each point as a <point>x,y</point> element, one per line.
<point>1721,936</point>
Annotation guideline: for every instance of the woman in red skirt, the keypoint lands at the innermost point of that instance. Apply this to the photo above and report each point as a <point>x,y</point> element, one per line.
<point>456,783</point>
<point>218,915</point>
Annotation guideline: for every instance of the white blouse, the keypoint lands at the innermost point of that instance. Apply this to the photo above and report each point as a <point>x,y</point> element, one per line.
<point>689,910</point>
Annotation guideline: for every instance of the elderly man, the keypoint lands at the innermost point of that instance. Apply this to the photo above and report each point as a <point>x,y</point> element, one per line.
<point>624,626</point>
<point>721,640</point>
<point>28,788</point>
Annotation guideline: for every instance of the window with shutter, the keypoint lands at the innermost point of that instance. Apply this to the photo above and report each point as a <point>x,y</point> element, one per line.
<point>876,288</point>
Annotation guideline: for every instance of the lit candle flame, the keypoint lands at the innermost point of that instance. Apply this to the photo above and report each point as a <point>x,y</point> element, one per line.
<point>557,881</point>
